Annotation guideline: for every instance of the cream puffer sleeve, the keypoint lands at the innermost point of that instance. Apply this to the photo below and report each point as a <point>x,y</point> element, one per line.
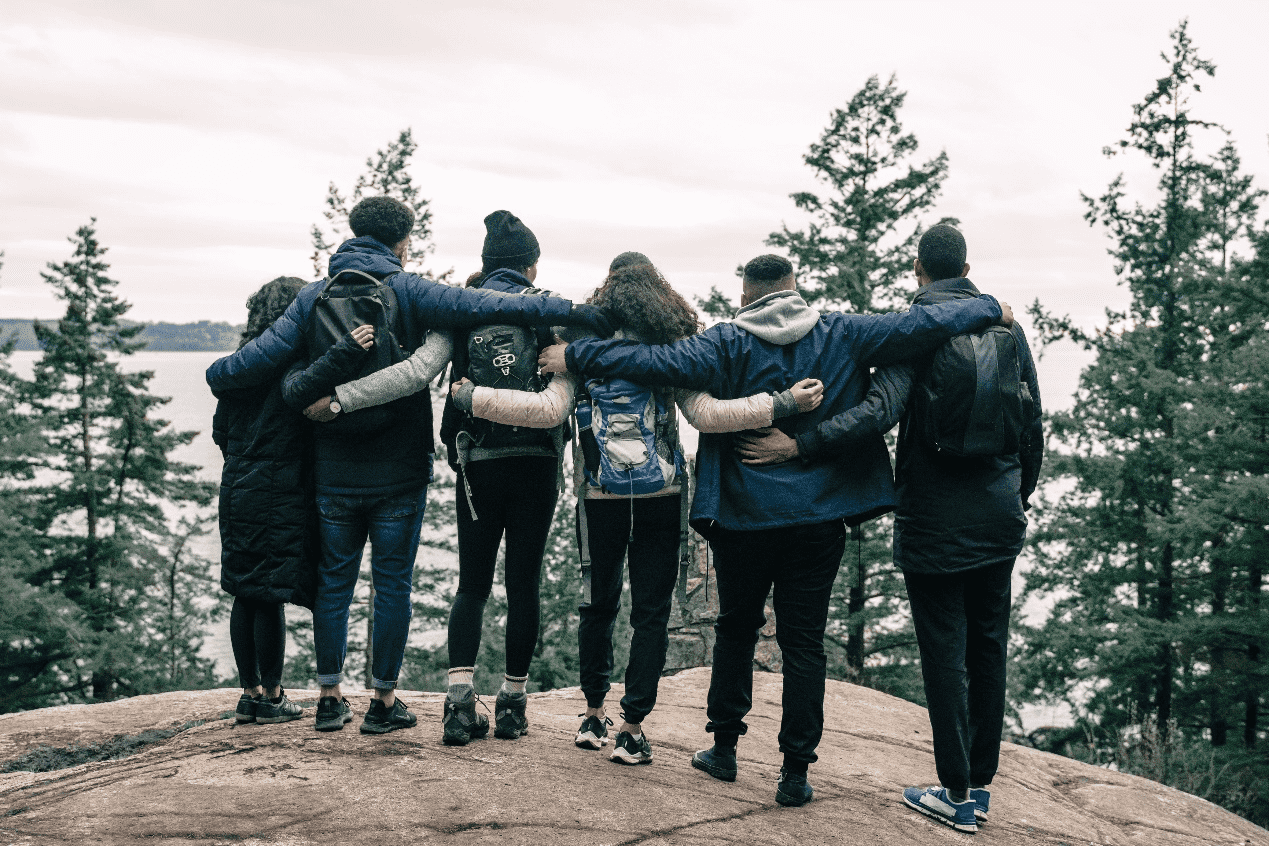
<point>401,379</point>
<point>707,414</point>
<point>541,410</point>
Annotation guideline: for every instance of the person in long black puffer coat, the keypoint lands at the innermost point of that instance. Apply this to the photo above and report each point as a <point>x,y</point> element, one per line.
<point>268,517</point>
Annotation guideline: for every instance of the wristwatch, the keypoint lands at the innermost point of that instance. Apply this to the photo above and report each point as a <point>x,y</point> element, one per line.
<point>335,406</point>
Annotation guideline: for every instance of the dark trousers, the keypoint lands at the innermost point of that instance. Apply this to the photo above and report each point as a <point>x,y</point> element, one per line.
<point>653,550</point>
<point>962,628</point>
<point>800,562</point>
<point>257,633</point>
<point>513,496</point>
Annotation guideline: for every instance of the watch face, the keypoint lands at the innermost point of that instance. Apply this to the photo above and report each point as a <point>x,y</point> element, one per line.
<point>335,406</point>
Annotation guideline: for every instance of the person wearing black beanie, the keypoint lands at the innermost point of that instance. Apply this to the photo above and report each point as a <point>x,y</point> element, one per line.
<point>508,243</point>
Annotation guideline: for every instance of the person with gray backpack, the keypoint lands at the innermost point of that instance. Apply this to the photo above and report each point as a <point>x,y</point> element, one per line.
<point>633,489</point>
<point>969,453</point>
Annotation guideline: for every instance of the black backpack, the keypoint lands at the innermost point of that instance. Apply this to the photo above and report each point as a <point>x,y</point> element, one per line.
<point>971,401</point>
<point>350,299</point>
<point>504,356</point>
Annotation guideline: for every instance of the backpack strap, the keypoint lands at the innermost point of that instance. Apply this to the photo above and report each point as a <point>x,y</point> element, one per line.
<point>583,534</point>
<point>685,551</point>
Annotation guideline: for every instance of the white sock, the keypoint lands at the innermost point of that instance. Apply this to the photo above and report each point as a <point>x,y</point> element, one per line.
<point>512,684</point>
<point>462,675</point>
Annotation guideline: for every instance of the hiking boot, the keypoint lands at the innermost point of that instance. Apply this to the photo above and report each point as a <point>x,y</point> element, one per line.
<point>381,719</point>
<point>246,711</point>
<point>793,790</point>
<point>627,749</point>
<point>718,761</point>
<point>509,719</point>
<point>284,710</point>
<point>461,722</point>
<point>332,714</point>
<point>982,799</point>
<point>937,805</point>
<point>593,734</point>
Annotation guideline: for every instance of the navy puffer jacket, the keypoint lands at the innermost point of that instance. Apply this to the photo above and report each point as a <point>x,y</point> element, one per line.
<point>770,345</point>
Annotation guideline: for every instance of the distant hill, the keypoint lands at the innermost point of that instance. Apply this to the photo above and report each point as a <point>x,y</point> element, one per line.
<point>203,336</point>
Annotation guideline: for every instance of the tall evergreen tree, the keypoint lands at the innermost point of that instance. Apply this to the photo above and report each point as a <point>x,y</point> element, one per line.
<point>1139,553</point>
<point>387,173</point>
<point>108,491</point>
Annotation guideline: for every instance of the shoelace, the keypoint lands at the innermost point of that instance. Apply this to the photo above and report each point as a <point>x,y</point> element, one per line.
<point>607,720</point>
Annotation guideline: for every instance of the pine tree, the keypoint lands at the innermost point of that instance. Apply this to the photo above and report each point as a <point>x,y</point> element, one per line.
<point>1140,553</point>
<point>107,492</point>
<point>387,173</point>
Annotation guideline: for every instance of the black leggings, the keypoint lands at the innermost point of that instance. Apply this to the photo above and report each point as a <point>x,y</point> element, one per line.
<point>257,631</point>
<point>515,496</point>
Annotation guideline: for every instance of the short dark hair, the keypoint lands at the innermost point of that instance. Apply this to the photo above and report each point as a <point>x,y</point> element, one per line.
<point>941,252</point>
<point>764,270</point>
<point>386,219</point>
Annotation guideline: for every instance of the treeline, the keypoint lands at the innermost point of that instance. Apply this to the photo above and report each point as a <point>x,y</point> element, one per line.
<point>203,336</point>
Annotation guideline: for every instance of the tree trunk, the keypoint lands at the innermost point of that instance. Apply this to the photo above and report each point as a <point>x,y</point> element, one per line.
<point>1163,687</point>
<point>1251,697</point>
<point>1220,659</point>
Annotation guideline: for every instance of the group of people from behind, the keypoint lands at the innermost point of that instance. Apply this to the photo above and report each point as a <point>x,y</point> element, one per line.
<point>790,453</point>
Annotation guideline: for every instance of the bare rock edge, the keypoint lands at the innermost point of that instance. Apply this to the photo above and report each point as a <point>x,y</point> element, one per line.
<point>288,784</point>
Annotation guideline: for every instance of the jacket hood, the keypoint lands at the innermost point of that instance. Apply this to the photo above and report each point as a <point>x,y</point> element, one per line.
<point>503,278</point>
<point>781,318</point>
<point>365,254</point>
<point>945,289</point>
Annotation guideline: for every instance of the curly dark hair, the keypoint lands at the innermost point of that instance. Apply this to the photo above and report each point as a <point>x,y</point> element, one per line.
<point>267,305</point>
<point>386,219</point>
<point>637,298</point>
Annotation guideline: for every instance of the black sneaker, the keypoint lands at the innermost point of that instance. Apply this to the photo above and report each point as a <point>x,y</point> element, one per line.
<point>461,722</point>
<point>793,790</point>
<point>509,719</point>
<point>720,763</point>
<point>332,714</point>
<point>284,710</point>
<point>246,711</point>
<point>381,719</point>
<point>629,750</point>
<point>593,734</point>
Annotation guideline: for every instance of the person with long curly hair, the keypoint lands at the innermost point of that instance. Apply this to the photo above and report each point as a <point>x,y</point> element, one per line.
<point>645,529</point>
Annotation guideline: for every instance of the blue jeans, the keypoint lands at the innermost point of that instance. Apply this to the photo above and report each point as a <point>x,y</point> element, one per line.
<point>391,523</point>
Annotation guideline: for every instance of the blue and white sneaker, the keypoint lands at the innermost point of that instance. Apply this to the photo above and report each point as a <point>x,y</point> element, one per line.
<point>937,805</point>
<point>982,799</point>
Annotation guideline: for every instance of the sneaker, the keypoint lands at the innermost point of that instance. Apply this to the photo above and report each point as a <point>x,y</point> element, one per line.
<point>982,799</point>
<point>246,711</point>
<point>332,714</point>
<point>720,763</point>
<point>461,722</point>
<point>937,805</point>
<point>284,710</point>
<point>509,719</point>
<point>381,719</point>
<point>627,749</point>
<point>593,734</point>
<point>793,790</point>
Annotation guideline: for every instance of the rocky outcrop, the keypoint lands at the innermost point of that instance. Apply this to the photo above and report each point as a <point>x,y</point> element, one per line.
<point>217,783</point>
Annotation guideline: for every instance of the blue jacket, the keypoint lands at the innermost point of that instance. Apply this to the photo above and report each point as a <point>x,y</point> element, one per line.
<point>399,458</point>
<point>771,344</point>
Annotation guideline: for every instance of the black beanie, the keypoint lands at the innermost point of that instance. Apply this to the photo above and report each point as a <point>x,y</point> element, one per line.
<point>628,259</point>
<point>509,241</point>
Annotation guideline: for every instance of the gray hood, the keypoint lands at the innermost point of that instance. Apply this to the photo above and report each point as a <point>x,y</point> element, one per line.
<point>781,318</point>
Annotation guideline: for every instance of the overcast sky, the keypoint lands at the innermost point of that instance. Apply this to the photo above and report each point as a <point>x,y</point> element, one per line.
<point>202,136</point>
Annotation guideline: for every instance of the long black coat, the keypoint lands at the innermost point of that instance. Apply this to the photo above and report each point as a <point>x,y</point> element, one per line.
<point>269,546</point>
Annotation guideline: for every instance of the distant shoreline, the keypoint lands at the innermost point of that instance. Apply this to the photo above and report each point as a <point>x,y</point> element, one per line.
<point>203,336</point>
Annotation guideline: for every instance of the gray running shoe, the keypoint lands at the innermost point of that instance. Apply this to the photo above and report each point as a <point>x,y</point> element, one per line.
<point>628,750</point>
<point>332,714</point>
<point>284,710</point>
<point>381,719</point>
<point>593,734</point>
<point>509,719</point>
<point>461,722</point>
<point>246,711</point>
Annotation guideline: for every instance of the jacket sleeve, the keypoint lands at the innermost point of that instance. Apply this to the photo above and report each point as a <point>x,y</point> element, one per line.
<point>880,409</point>
<point>267,357</point>
<point>880,339</point>
<point>302,386</point>
<point>707,414</point>
<point>438,306</point>
<point>542,410</point>
<point>1031,455</point>
<point>401,379</point>
<point>220,428</point>
<point>694,362</point>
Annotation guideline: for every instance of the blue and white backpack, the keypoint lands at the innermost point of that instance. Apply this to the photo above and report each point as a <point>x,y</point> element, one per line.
<point>629,437</point>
